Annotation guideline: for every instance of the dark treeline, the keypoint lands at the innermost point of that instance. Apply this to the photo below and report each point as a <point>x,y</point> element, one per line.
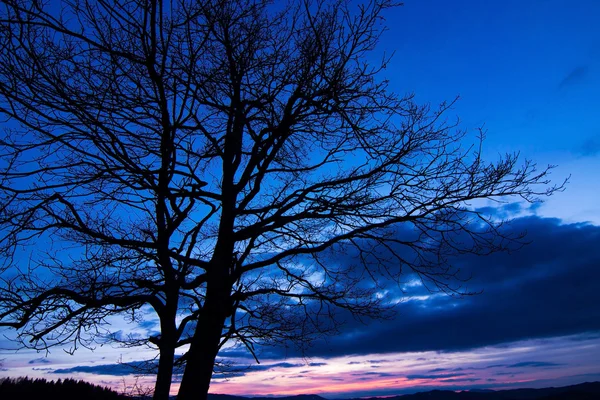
<point>42,389</point>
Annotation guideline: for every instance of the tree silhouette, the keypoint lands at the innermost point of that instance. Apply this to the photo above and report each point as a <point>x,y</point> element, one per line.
<point>68,389</point>
<point>206,160</point>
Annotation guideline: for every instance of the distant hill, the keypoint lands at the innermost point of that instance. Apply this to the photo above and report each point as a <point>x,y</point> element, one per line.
<point>584,391</point>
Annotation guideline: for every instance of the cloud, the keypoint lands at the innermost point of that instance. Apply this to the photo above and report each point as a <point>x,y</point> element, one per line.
<point>41,360</point>
<point>446,369</point>
<point>149,367</point>
<point>264,367</point>
<point>374,374</point>
<point>440,376</point>
<point>292,377</point>
<point>149,324</point>
<point>106,369</point>
<point>379,361</point>
<point>576,76</point>
<point>243,370</point>
<point>590,147</point>
<point>504,211</point>
<point>460,380</point>
<point>546,289</point>
<point>511,373</point>
<point>535,364</point>
<point>234,353</point>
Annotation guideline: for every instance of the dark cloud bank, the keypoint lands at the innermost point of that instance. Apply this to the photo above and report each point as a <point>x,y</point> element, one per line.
<point>548,288</point>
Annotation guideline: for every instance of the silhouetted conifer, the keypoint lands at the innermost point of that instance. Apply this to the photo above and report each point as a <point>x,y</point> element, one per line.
<point>68,389</point>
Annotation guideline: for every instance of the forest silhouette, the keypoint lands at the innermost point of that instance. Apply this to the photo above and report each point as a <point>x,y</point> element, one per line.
<point>64,389</point>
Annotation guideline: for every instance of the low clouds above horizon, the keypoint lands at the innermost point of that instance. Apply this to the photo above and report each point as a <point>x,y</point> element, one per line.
<point>438,374</point>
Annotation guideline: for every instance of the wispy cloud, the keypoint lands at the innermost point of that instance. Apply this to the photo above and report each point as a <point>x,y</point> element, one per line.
<point>534,364</point>
<point>590,147</point>
<point>454,380</point>
<point>123,369</point>
<point>440,376</point>
<point>41,360</point>
<point>575,76</point>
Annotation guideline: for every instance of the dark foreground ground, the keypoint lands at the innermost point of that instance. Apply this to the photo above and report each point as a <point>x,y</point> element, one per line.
<point>70,389</point>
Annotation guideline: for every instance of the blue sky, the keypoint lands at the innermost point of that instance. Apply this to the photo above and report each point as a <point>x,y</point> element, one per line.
<point>529,71</point>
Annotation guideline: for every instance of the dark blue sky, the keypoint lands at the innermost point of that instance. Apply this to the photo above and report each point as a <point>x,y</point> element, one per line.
<point>529,71</point>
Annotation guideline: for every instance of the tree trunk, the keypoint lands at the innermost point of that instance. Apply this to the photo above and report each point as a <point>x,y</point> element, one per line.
<point>164,375</point>
<point>217,304</point>
<point>166,345</point>
<point>202,353</point>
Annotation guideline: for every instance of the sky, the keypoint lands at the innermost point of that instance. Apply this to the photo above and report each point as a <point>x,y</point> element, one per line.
<point>528,71</point>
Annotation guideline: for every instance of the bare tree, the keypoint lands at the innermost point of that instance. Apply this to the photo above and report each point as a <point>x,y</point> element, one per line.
<point>205,159</point>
